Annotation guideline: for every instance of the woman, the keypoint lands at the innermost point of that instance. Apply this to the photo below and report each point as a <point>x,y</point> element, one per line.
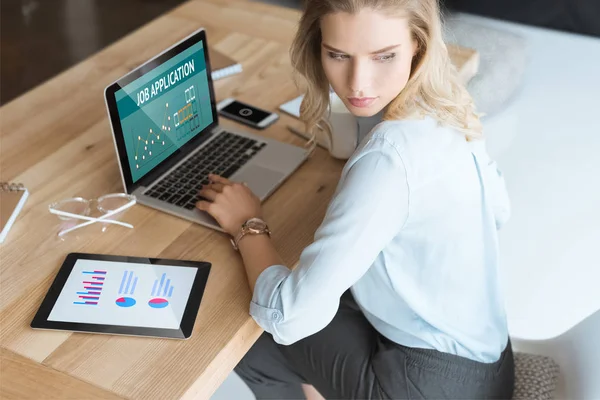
<point>399,295</point>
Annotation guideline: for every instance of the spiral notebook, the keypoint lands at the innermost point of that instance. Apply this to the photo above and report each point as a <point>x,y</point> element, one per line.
<point>12,199</point>
<point>223,65</point>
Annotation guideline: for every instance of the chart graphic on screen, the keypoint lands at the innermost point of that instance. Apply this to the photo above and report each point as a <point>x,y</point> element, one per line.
<point>92,285</point>
<point>153,142</point>
<point>164,109</point>
<point>161,288</point>
<point>124,293</point>
<point>183,122</point>
<point>128,284</point>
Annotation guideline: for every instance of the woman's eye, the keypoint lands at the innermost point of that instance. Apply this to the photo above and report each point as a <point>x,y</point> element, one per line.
<point>337,56</point>
<point>386,57</point>
<point>341,57</point>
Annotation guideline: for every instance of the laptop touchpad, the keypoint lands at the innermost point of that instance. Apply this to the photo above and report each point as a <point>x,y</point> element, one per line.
<point>259,179</point>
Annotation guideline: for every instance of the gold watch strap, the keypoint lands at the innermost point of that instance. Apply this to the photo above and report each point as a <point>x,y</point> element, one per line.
<point>245,231</point>
<point>239,236</point>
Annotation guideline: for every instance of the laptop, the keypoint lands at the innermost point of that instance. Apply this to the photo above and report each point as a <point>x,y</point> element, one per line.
<point>167,136</point>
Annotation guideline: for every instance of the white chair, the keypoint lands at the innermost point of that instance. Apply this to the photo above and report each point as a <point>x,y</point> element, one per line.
<point>577,353</point>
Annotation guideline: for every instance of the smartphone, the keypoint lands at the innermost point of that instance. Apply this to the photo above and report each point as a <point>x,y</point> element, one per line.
<point>246,114</point>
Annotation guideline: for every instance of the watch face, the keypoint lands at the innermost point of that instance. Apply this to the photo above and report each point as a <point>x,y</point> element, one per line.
<point>256,224</point>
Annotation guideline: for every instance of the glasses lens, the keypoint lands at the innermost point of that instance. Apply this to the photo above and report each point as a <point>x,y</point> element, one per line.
<point>110,203</point>
<point>72,206</point>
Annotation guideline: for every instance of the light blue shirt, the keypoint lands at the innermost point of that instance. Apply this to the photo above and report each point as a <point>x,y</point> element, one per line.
<point>412,230</point>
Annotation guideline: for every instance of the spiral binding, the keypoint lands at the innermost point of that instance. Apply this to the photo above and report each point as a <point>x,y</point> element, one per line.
<point>11,187</point>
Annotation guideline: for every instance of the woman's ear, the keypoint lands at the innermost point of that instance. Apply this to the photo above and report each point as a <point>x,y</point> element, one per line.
<point>415,46</point>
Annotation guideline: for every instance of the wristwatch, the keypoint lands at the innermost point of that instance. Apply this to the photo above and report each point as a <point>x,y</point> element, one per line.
<point>254,226</point>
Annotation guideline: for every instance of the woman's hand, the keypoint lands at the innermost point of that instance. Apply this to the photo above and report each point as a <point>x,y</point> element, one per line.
<point>230,203</point>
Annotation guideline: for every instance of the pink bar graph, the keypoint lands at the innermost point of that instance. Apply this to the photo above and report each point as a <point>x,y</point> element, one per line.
<point>93,288</point>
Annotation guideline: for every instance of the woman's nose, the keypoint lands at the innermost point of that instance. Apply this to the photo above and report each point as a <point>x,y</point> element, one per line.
<point>360,77</point>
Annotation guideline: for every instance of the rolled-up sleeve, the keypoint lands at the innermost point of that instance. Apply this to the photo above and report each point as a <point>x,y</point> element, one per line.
<point>368,209</point>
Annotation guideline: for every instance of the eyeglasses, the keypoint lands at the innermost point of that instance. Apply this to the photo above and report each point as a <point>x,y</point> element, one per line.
<point>78,208</point>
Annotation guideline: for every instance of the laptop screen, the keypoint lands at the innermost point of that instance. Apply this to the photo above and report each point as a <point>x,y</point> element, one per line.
<point>164,109</point>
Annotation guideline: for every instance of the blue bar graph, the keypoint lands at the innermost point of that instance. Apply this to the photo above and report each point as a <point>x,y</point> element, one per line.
<point>127,287</point>
<point>123,282</point>
<point>154,287</point>
<point>133,287</point>
<point>162,288</point>
<point>128,281</point>
<point>162,280</point>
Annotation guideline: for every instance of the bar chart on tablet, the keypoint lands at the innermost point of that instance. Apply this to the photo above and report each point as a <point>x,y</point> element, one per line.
<point>125,294</point>
<point>92,287</point>
<point>161,288</point>
<point>128,284</point>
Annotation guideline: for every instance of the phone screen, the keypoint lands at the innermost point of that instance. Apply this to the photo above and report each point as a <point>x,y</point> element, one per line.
<point>245,111</point>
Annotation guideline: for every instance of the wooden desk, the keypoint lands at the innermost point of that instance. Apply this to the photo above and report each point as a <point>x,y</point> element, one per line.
<point>56,139</point>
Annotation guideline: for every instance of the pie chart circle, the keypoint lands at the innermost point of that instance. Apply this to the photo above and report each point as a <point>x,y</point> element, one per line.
<point>125,302</point>
<point>158,303</point>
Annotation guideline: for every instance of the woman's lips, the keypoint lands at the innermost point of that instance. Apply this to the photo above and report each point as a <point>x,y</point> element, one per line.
<point>361,102</point>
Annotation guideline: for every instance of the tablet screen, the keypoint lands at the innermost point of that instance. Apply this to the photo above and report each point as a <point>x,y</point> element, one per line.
<point>127,294</point>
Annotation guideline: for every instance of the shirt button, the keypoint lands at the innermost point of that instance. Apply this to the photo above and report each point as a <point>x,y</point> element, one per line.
<point>275,315</point>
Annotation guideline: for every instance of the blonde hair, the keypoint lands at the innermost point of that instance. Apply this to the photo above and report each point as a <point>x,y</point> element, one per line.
<point>433,87</point>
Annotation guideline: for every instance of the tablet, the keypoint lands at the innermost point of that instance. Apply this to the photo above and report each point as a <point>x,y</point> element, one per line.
<point>124,296</point>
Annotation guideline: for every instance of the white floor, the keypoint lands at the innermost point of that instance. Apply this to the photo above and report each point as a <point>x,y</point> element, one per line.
<point>233,388</point>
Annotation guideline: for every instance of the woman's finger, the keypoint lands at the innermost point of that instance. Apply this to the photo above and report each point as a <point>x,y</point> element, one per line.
<point>219,179</point>
<point>208,193</point>
<point>217,187</point>
<point>203,205</point>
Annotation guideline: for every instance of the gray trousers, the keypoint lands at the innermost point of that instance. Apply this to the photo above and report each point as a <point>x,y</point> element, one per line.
<point>349,359</point>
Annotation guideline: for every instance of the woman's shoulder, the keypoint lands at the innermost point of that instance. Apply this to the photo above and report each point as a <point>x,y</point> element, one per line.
<point>413,136</point>
<point>408,131</point>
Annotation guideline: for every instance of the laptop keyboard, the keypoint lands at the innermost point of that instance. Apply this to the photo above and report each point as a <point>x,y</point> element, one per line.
<point>223,156</point>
